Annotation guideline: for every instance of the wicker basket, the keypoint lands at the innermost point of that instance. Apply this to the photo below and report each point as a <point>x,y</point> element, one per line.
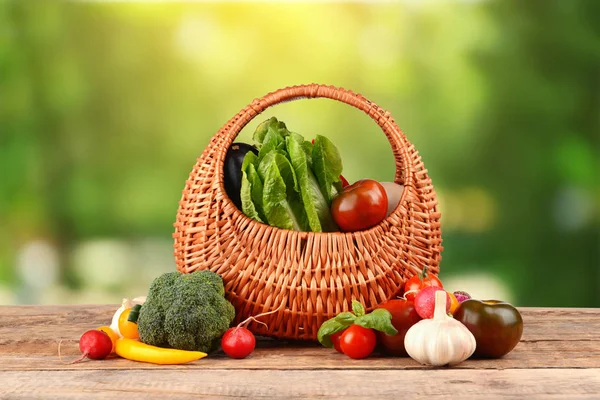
<point>306,277</point>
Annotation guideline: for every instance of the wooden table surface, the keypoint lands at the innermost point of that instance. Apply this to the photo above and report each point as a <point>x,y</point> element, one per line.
<point>558,358</point>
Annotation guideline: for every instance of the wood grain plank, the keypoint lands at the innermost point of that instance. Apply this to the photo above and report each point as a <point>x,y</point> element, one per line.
<point>31,324</point>
<point>274,356</point>
<point>293,384</point>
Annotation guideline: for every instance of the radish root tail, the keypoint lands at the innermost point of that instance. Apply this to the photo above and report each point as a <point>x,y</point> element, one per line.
<point>247,321</point>
<point>72,362</point>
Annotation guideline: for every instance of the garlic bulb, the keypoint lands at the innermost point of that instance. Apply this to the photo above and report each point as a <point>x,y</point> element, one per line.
<point>441,340</point>
<point>127,303</point>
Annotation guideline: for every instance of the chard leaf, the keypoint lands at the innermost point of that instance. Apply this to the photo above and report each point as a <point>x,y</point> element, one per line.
<point>248,206</point>
<point>271,124</point>
<point>281,202</point>
<point>315,204</point>
<point>327,165</point>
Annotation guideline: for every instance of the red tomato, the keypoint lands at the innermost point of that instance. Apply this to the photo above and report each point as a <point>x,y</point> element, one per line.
<point>335,339</point>
<point>359,206</point>
<point>358,342</point>
<point>418,282</point>
<point>404,316</point>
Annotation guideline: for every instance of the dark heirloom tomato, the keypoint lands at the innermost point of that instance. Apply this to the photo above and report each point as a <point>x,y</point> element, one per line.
<point>496,325</point>
<point>359,206</point>
<point>404,316</point>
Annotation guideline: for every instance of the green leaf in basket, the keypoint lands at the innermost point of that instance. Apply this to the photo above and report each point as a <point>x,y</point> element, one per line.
<point>248,206</point>
<point>252,189</point>
<point>280,199</point>
<point>379,319</point>
<point>327,165</point>
<point>315,204</point>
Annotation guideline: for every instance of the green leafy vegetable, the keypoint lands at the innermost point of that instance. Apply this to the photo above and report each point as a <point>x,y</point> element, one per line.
<point>291,183</point>
<point>315,204</point>
<point>252,189</point>
<point>327,164</point>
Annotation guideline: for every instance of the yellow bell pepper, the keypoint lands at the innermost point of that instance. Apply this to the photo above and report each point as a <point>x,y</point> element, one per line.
<point>138,351</point>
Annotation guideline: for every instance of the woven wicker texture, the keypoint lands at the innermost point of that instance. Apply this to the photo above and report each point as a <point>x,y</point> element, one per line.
<point>307,277</point>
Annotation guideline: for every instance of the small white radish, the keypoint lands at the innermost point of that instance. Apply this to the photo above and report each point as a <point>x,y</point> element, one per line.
<point>394,192</point>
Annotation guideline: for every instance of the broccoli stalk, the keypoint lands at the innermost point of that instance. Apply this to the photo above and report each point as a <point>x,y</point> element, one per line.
<point>185,311</point>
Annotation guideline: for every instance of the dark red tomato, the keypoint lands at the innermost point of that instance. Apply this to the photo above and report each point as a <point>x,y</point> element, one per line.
<point>359,206</point>
<point>335,339</point>
<point>418,282</point>
<point>404,316</point>
<point>358,342</point>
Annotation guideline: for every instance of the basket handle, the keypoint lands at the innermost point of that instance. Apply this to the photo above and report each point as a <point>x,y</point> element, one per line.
<point>396,138</point>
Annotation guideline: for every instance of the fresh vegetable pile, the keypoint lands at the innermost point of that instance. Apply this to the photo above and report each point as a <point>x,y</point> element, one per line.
<point>291,183</point>
<point>429,324</point>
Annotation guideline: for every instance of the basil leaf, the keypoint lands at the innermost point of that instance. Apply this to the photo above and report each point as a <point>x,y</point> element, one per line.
<point>328,328</point>
<point>380,320</point>
<point>346,318</point>
<point>358,308</point>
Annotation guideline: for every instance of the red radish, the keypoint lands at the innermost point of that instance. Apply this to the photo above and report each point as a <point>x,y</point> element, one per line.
<point>239,342</point>
<point>94,344</point>
<point>425,301</point>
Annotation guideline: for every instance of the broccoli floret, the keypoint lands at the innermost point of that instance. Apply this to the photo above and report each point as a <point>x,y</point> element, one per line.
<point>185,311</point>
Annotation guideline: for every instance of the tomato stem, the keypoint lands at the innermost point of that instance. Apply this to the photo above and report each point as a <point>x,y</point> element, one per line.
<point>423,274</point>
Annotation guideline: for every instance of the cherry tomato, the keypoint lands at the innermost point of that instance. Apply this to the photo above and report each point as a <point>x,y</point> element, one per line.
<point>335,339</point>
<point>360,206</point>
<point>238,342</point>
<point>358,342</point>
<point>404,316</point>
<point>127,328</point>
<point>418,282</point>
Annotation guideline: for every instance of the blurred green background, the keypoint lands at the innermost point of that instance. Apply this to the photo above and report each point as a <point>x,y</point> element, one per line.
<point>104,108</point>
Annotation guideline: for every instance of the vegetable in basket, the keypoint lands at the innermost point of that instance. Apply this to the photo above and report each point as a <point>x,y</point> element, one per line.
<point>233,170</point>
<point>185,311</point>
<point>291,183</point>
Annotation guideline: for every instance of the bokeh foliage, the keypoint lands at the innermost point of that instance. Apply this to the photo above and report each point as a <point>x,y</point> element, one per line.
<point>104,108</point>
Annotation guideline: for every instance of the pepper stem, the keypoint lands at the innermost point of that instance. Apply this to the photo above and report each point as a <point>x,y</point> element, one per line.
<point>439,311</point>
